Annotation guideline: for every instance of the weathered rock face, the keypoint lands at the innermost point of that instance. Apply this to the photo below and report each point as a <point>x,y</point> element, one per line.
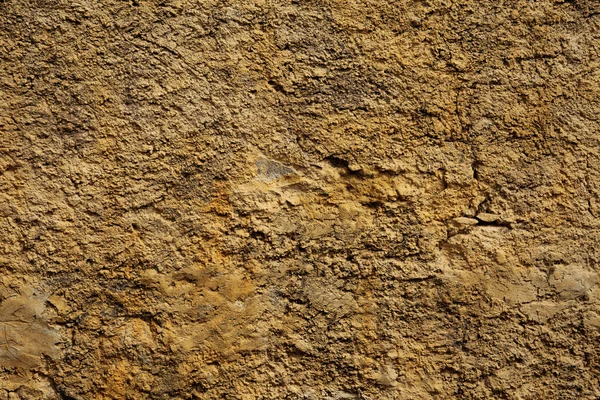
<point>299,199</point>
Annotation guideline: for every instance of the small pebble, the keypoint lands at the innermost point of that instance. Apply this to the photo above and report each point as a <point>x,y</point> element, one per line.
<point>465,221</point>
<point>487,217</point>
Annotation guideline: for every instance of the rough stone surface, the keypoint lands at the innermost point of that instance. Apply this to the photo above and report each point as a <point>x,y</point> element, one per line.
<point>276,199</point>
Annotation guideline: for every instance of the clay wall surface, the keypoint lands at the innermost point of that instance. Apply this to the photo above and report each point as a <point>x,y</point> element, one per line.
<point>311,199</point>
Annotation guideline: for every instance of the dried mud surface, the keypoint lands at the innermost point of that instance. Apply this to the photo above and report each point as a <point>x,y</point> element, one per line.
<point>277,199</point>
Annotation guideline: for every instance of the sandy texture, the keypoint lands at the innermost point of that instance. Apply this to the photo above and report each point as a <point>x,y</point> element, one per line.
<point>277,199</point>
